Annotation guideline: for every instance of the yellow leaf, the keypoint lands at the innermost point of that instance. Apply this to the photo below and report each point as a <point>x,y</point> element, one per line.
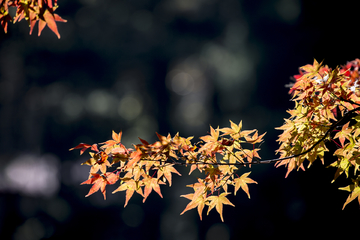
<point>355,193</point>
<point>217,202</point>
<point>242,182</point>
<point>198,202</point>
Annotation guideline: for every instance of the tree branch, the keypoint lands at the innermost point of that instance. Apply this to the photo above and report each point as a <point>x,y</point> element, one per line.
<point>347,117</point>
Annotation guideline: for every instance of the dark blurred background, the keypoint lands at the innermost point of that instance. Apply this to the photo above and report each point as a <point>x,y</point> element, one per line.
<point>164,66</point>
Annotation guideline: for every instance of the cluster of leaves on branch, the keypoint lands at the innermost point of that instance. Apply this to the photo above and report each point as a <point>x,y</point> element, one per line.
<point>146,166</point>
<point>32,11</point>
<point>327,106</point>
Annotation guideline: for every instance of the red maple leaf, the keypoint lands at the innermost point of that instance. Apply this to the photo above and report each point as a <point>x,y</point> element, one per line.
<point>100,181</point>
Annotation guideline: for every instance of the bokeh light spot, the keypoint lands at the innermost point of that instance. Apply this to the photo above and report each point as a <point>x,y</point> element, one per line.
<point>33,175</point>
<point>288,10</point>
<point>99,102</point>
<point>182,83</point>
<point>130,107</point>
<point>233,68</point>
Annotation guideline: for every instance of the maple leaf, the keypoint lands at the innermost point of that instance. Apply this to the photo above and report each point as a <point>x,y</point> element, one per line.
<point>50,21</point>
<point>100,182</point>
<point>211,144</point>
<point>198,202</point>
<point>313,69</point>
<point>164,140</point>
<point>198,198</point>
<point>166,171</point>
<point>98,162</point>
<point>243,182</point>
<point>135,172</point>
<point>218,202</point>
<point>165,147</point>
<point>199,188</point>
<point>214,135</point>
<point>182,143</point>
<point>342,165</point>
<point>163,144</point>
<point>291,164</point>
<point>134,157</point>
<point>33,11</point>
<point>193,167</point>
<point>250,154</point>
<point>32,20</point>
<point>234,131</point>
<point>212,172</point>
<point>343,134</point>
<point>144,142</point>
<point>151,184</point>
<point>94,148</point>
<point>130,185</point>
<point>355,192</point>
<point>83,147</point>
<point>116,139</point>
<point>255,138</point>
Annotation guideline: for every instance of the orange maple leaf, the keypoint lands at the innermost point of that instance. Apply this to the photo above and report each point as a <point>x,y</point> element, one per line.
<point>212,172</point>
<point>198,202</point>
<point>166,171</point>
<point>343,134</point>
<point>130,185</point>
<point>355,193</point>
<point>100,182</point>
<point>291,165</point>
<point>234,131</point>
<point>312,68</point>
<point>50,21</point>
<point>98,161</point>
<point>211,141</point>
<point>134,157</point>
<point>198,198</point>
<point>243,182</point>
<point>218,202</point>
<point>214,134</point>
<point>116,140</point>
<point>83,147</point>
<point>199,188</point>
<point>255,138</point>
<point>151,184</point>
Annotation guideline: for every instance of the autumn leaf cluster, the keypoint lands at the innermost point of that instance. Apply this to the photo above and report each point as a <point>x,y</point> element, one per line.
<point>144,167</point>
<point>33,11</point>
<point>327,105</point>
